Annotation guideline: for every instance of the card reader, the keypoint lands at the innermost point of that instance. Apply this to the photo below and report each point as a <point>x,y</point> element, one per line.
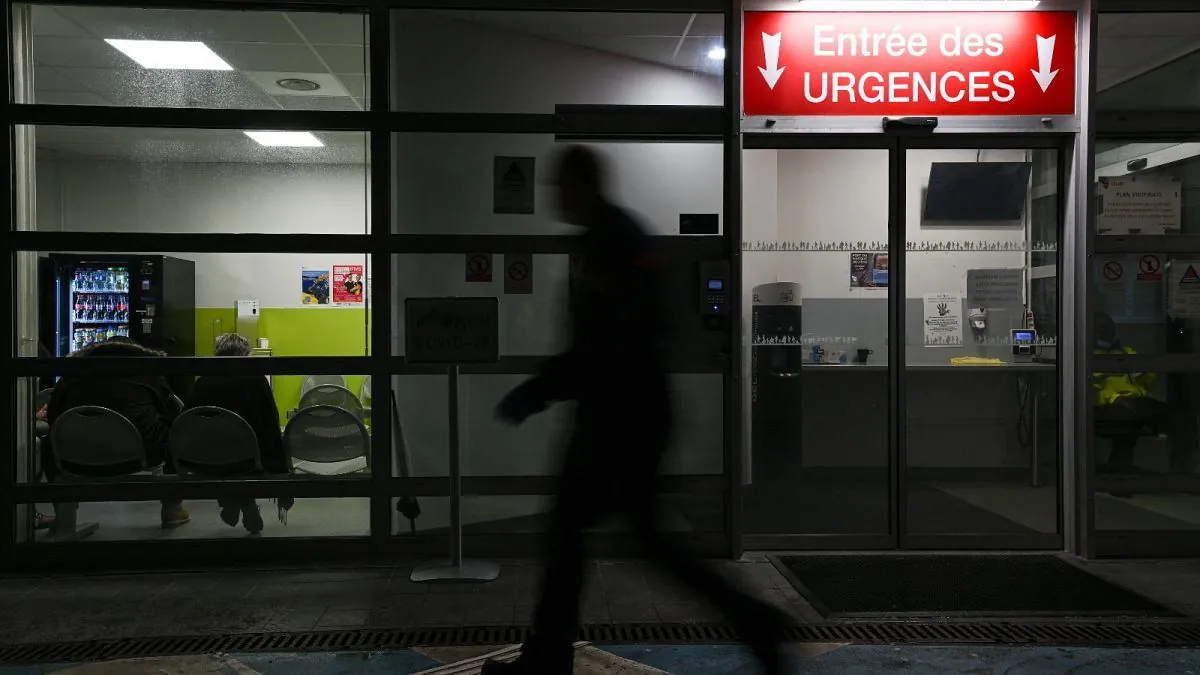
<point>1023,342</point>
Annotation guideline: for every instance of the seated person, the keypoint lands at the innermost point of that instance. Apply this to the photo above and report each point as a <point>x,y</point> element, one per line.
<point>251,398</point>
<point>145,400</point>
<point>1123,400</point>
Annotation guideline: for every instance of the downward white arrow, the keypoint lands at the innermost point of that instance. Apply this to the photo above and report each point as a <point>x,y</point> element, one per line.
<point>1043,75</point>
<point>771,48</point>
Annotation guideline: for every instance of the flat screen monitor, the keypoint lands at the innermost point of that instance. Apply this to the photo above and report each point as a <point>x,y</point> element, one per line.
<point>977,191</point>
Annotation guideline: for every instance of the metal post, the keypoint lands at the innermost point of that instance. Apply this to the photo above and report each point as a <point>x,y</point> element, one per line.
<point>455,470</point>
<point>458,569</point>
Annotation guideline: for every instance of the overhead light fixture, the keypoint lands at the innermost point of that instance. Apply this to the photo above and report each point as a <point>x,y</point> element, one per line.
<point>285,139</point>
<point>297,84</point>
<point>918,5</point>
<point>717,53</point>
<point>171,55</point>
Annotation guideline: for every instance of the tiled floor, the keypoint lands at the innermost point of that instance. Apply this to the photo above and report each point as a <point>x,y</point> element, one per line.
<point>657,660</point>
<point>205,603</point>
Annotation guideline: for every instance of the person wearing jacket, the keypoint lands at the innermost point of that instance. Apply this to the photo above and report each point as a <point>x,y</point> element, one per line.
<point>250,397</point>
<point>616,372</point>
<point>145,400</point>
<point>1125,398</point>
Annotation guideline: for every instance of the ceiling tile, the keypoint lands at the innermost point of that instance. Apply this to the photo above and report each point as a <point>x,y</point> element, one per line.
<point>292,58</point>
<point>575,25</point>
<point>331,29</point>
<point>1125,52</point>
<point>172,88</point>
<point>708,25</point>
<point>48,21</point>
<point>170,24</point>
<point>64,51</point>
<point>336,103</point>
<point>50,79</point>
<point>355,83</point>
<point>1158,24</point>
<point>268,82</point>
<point>69,98</point>
<point>343,59</point>
<point>693,55</point>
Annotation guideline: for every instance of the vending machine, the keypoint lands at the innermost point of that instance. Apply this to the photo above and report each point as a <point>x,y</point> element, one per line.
<point>151,299</point>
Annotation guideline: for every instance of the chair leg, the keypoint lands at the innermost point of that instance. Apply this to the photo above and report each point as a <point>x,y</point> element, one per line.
<point>66,524</point>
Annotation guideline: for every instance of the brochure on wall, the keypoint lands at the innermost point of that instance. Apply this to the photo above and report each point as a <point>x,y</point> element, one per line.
<point>1184,291</point>
<point>868,270</point>
<point>943,320</point>
<point>314,286</point>
<point>348,285</point>
<point>1133,205</point>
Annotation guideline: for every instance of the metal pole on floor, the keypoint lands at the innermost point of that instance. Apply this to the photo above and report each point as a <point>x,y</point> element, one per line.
<point>458,569</point>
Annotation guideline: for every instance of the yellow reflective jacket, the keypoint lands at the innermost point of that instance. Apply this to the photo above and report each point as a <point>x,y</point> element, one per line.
<point>1112,386</point>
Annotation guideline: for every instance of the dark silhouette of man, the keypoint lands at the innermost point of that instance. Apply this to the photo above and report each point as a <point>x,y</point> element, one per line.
<point>615,371</point>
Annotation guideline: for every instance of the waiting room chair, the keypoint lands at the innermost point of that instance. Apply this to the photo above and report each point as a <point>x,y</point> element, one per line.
<point>90,443</point>
<point>313,381</point>
<point>214,443</point>
<point>328,441</point>
<point>334,395</point>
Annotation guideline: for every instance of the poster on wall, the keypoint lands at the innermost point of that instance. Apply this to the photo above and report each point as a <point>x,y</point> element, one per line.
<point>513,182</point>
<point>943,320</point>
<point>868,270</point>
<point>348,285</point>
<point>314,286</point>
<point>1184,291</point>
<point>1132,205</point>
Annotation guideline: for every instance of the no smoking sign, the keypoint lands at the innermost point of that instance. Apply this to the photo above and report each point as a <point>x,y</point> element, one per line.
<point>518,273</point>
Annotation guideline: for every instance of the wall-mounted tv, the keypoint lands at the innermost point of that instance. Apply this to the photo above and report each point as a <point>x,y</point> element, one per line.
<point>977,191</point>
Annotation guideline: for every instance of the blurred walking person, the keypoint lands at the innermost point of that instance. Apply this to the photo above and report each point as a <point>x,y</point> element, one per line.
<point>615,371</point>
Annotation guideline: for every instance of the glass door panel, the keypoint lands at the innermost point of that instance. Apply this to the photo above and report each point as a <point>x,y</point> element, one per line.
<point>981,381</point>
<point>816,278</point>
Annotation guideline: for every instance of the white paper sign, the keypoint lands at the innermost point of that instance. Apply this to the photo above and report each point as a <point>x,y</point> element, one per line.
<point>1184,292</point>
<point>1131,205</point>
<point>943,320</point>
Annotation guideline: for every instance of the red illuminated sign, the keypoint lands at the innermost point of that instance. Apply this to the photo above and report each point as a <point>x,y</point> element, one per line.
<point>918,63</point>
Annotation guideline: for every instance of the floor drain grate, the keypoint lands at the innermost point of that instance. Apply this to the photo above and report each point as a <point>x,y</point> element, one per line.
<point>1144,634</point>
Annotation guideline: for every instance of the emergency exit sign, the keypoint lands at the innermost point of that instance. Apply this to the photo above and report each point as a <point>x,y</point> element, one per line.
<point>894,64</point>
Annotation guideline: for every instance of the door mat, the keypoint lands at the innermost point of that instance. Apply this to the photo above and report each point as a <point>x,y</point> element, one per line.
<point>846,586</point>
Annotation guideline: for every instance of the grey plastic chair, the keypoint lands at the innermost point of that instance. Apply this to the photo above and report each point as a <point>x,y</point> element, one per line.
<point>328,441</point>
<point>91,442</point>
<point>213,442</point>
<point>313,381</point>
<point>334,395</point>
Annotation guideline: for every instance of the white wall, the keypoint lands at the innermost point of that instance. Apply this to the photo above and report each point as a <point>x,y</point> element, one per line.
<point>125,196</point>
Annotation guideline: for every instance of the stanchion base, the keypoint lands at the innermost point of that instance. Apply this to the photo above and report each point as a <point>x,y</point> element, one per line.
<point>469,570</point>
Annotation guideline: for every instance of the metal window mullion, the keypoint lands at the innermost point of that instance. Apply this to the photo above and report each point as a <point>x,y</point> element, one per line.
<point>8,388</point>
<point>125,242</point>
<point>191,365</point>
<point>732,207</point>
<point>1176,244</point>
<point>186,118</point>
<point>326,6</point>
<point>1147,125</point>
<point>898,427</point>
<point>700,247</point>
<point>183,488</point>
<point>1144,363</point>
<point>380,171</point>
<point>662,6</point>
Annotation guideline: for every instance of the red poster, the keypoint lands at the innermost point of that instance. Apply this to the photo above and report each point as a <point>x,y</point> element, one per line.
<point>895,64</point>
<point>349,285</point>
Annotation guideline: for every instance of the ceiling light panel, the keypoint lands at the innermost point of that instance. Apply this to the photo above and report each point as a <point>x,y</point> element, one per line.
<point>171,55</point>
<point>285,139</point>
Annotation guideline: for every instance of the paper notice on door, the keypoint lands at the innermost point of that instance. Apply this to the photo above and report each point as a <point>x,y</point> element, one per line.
<point>943,320</point>
<point>1184,291</point>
